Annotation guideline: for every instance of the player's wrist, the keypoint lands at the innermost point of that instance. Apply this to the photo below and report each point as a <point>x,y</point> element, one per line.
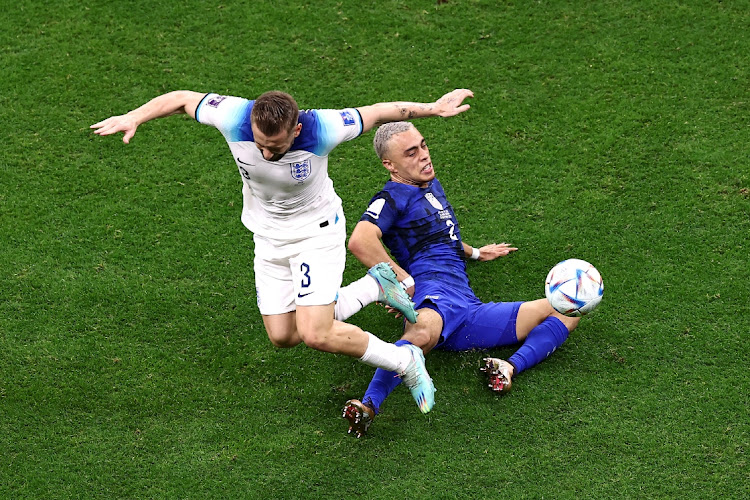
<point>407,283</point>
<point>474,254</point>
<point>137,117</point>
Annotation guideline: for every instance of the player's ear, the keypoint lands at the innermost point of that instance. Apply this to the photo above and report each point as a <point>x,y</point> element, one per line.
<point>297,129</point>
<point>388,164</point>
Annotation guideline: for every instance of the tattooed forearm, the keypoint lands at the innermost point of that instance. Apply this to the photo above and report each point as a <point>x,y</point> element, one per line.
<point>393,111</point>
<point>413,110</point>
<point>384,112</point>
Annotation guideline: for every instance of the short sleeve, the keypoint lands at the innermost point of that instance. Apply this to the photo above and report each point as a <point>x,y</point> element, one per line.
<point>382,211</point>
<point>336,126</point>
<point>231,115</point>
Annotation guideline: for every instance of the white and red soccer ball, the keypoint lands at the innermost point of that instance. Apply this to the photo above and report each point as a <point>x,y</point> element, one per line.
<point>574,287</point>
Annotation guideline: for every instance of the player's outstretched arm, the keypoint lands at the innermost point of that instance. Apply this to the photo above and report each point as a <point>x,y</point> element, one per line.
<point>450,104</point>
<point>179,101</point>
<point>489,252</point>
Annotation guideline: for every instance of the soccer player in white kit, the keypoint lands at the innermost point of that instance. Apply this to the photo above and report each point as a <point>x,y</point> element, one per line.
<point>295,215</point>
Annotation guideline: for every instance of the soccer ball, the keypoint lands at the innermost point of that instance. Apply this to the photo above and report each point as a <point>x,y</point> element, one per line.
<point>574,287</point>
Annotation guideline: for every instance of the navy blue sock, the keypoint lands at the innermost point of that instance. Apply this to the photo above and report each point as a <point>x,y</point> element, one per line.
<point>539,344</point>
<point>382,384</point>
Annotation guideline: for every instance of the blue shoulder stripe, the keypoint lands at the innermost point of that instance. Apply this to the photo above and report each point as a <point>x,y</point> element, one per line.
<point>244,133</point>
<point>309,137</point>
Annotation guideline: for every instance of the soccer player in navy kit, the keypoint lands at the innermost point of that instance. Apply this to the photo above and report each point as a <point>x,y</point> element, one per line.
<point>415,221</point>
<point>295,215</point>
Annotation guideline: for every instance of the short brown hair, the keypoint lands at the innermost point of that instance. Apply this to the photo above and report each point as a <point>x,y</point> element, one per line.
<point>274,112</point>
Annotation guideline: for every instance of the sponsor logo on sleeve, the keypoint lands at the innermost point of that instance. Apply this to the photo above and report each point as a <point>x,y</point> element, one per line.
<point>348,118</point>
<point>215,101</point>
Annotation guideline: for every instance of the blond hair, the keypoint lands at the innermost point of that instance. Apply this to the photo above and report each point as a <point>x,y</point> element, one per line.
<point>384,134</point>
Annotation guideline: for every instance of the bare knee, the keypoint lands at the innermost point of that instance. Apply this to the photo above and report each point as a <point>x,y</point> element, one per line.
<point>283,339</point>
<point>420,338</point>
<point>423,333</point>
<point>281,330</point>
<point>316,338</point>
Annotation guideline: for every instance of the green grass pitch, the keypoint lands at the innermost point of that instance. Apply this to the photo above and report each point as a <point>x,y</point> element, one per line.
<point>133,360</point>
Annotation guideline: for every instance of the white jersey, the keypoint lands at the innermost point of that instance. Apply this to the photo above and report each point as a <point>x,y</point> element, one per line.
<point>289,198</point>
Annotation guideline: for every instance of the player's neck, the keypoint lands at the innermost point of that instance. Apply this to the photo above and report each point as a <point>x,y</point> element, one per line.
<point>409,182</point>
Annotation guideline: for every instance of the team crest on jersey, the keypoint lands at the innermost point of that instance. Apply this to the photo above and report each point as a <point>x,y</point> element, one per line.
<point>215,101</point>
<point>301,170</point>
<point>348,118</point>
<point>434,201</point>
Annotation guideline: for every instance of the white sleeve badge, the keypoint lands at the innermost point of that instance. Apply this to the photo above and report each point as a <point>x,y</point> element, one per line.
<point>375,208</point>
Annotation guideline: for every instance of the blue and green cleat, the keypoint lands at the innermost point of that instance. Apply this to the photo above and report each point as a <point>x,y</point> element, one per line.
<point>391,292</point>
<point>418,380</point>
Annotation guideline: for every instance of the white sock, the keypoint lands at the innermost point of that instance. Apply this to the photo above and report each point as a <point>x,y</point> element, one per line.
<point>355,296</point>
<point>385,355</point>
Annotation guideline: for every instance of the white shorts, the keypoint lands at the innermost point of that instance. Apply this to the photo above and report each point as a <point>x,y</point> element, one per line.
<point>304,272</point>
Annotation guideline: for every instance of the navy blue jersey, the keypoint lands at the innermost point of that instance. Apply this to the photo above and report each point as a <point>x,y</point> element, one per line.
<point>419,228</point>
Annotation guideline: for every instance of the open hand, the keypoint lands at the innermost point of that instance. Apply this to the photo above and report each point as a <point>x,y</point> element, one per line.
<point>114,124</point>
<point>450,103</point>
<point>495,250</point>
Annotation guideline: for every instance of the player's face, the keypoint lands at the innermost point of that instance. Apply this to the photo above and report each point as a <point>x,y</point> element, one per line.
<point>409,159</point>
<point>274,147</point>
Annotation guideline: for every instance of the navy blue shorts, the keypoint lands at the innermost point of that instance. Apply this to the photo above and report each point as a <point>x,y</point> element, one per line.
<point>468,323</point>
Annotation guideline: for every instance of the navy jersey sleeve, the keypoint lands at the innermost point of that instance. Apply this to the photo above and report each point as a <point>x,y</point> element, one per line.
<point>382,211</point>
